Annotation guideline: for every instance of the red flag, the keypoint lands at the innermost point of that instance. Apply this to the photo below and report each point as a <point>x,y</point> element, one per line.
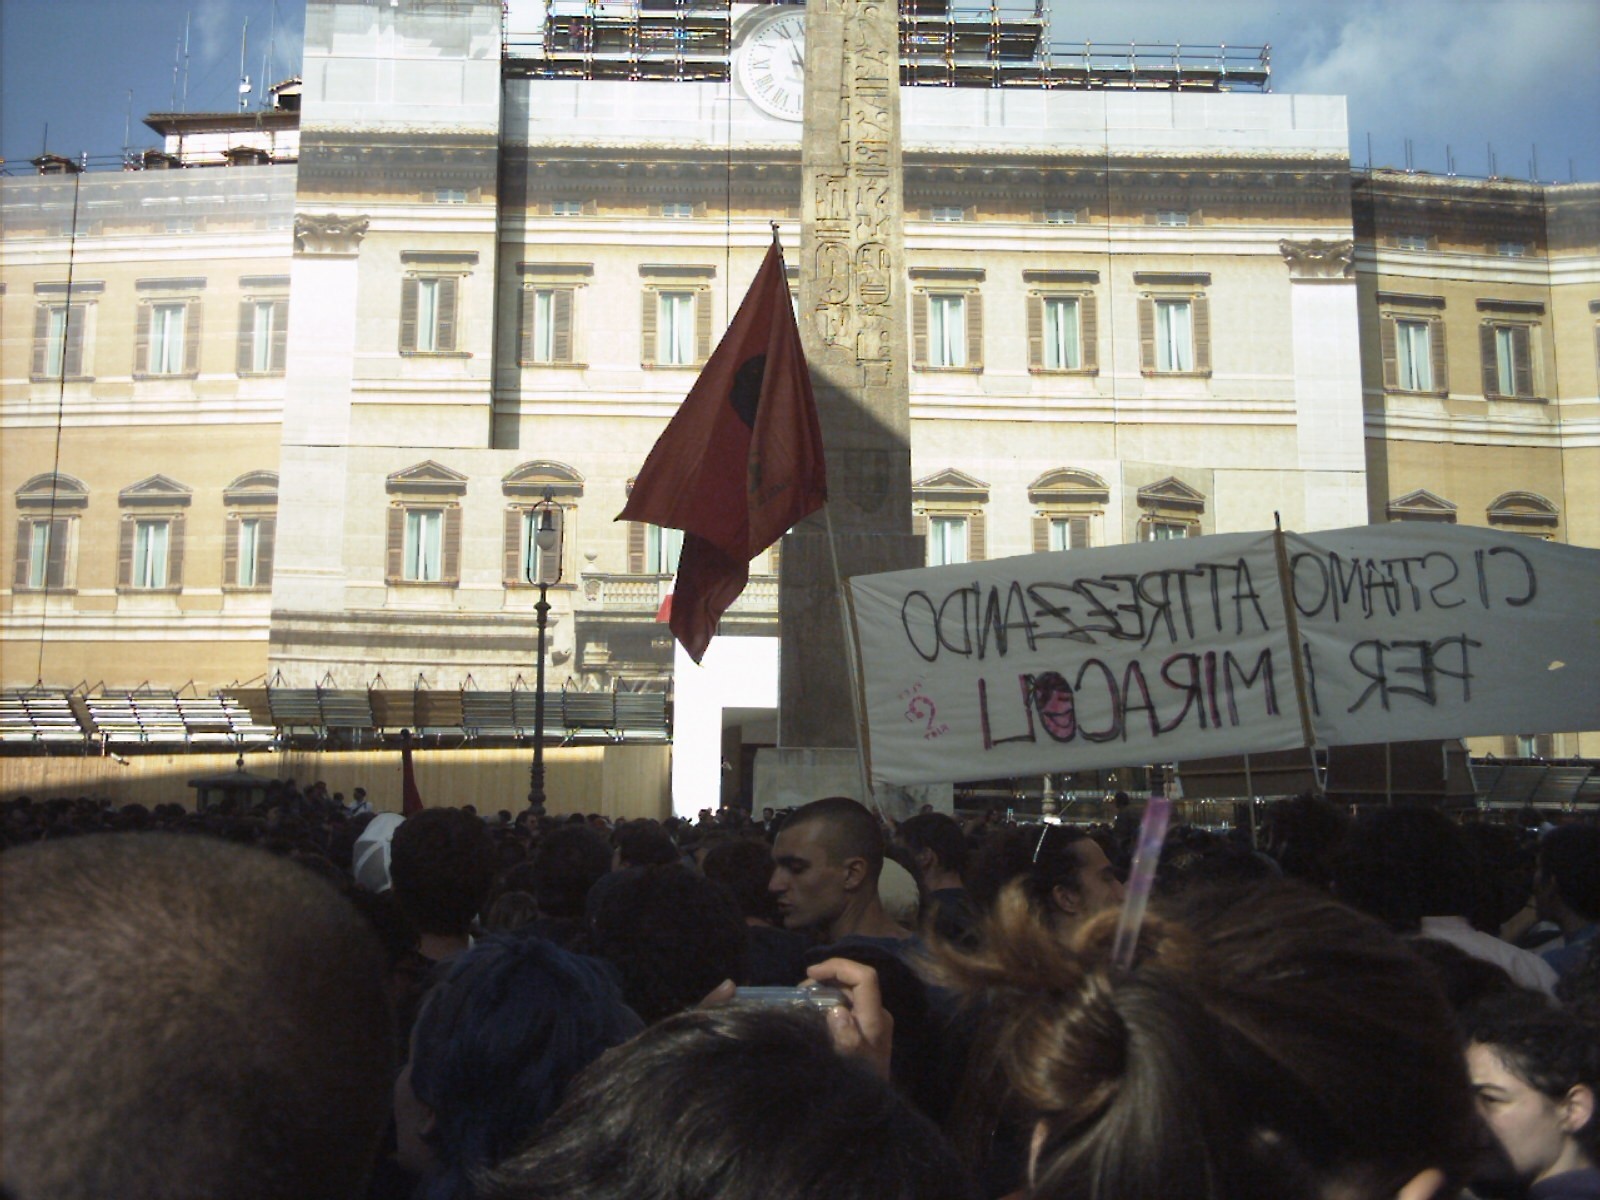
<point>740,463</point>
<point>410,798</point>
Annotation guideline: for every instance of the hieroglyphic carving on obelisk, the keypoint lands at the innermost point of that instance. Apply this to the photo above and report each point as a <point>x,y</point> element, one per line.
<point>853,325</point>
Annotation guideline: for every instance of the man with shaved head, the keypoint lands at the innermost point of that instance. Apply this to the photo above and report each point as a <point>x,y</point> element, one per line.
<point>826,863</point>
<point>184,1017</point>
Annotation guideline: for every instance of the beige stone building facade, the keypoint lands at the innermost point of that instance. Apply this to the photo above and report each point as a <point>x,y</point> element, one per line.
<point>284,422</point>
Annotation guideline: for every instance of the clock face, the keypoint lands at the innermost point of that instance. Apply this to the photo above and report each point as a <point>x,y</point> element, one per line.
<point>772,65</point>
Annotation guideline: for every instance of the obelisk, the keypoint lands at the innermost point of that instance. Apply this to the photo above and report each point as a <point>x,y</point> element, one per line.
<point>853,327</point>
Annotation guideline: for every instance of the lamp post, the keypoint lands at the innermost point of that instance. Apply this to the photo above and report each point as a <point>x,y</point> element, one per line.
<point>542,565</point>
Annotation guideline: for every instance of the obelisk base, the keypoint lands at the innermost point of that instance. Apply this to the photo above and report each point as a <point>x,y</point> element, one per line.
<point>787,777</point>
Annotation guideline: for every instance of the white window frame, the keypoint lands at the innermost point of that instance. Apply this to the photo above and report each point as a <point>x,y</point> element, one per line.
<point>1172,218</point>
<point>423,557</point>
<point>428,313</point>
<point>677,210</point>
<point>1059,536</point>
<point>947,329</point>
<point>947,539</point>
<point>1511,249</point>
<point>1060,216</point>
<point>1411,241</point>
<point>57,321</point>
<point>1413,349</point>
<point>249,551</point>
<point>542,334</point>
<point>947,212</point>
<point>263,315</point>
<point>662,548</point>
<point>1160,529</point>
<point>1062,349</point>
<point>152,548</point>
<point>676,331</point>
<point>169,321</point>
<point>1174,338</point>
<point>566,208</point>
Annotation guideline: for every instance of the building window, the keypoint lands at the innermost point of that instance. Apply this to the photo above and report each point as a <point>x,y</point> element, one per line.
<point>1411,241</point>
<point>949,516</point>
<point>546,326</point>
<point>662,547</point>
<point>525,562</point>
<point>263,336</point>
<point>677,209</point>
<point>42,553</point>
<point>526,487</point>
<point>566,208</point>
<point>947,330</point>
<point>450,196</point>
<point>1511,249</point>
<point>1061,332</point>
<point>1068,533</point>
<point>1172,218</point>
<point>948,212</point>
<point>1508,361</point>
<point>1413,348</point>
<point>1163,531</point>
<point>424,546</point>
<point>676,327</point>
<point>947,541</point>
<point>58,341</point>
<point>151,539</point>
<point>1175,334</point>
<point>1169,509</point>
<point>1412,345</point>
<point>1525,512</point>
<point>423,539</point>
<point>1060,216</point>
<point>1070,503</point>
<point>168,338</point>
<point>428,314</point>
<point>248,551</point>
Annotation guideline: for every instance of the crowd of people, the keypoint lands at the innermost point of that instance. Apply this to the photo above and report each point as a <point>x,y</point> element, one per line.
<point>303,998</point>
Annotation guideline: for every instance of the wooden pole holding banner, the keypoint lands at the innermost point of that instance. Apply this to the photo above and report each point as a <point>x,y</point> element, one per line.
<point>852,660</point>
<point>1250,798</point>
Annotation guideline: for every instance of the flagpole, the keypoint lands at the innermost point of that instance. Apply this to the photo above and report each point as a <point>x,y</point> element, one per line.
<point>850,662</point>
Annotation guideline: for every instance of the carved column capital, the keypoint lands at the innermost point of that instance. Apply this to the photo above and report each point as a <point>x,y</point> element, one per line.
<point>1319,259</point>
<point>328,233</point>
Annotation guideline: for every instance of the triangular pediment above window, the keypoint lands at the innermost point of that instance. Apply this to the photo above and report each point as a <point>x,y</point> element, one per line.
<point>1421,505</point>
<point>1172,492</point>
<point>60,490</point>
<point>532,478</point>
<point>1524,508</point>
<point>950,484</point>
<point>158,489</point>
<point>1069,484</point>
<point>429,477</point>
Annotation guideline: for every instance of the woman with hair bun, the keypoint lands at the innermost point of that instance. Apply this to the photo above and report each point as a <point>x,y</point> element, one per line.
<point>1266,1043</point>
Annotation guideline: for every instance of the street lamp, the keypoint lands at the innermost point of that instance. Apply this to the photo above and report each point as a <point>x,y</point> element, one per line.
<point>542,566</point>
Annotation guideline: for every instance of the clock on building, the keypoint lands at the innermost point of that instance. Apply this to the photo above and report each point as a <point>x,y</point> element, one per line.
<point>771,64</point>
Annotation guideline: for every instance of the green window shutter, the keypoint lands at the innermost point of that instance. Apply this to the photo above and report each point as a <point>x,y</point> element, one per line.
<point>1389,352</point>
<point>1491,360</point>
<point>702,325</point>
<point>395,545</point>
<point>1436,352</point>
<point>919,328</point>
<point>636,547</point>
<point>977,537</point>
<point>1147,335</point>
<point>561,317</point>
<point>41,340</point>
<point>191,338</point>
<point>141,345</point>
<point>450,558</point>
<point>24,552</point>
<point>125,553</point>
<point>1035,332</point>
<point>1521,348</point>
<point>1201,308</point>
<point>449,295</point>
<point>974,307</point>
<point>244,356</point>
<point>279,360</point>
<point>266,549</point>
<point>1041,534</point>
<point>230,553</point>
<point>1089,332</point>
<point>408,316</point>
<point>511,547</point>
<point>647,328</point>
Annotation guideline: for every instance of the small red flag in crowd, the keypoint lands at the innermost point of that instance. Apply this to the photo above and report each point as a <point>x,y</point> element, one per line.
<point>740,463</point>
<point>410,797</point>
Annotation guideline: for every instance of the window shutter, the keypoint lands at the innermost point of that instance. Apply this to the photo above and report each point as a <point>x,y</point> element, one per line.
<point>974,307</point>
<point>408,324</point>
<point>1078,533</point>
<point>175,552</point>
<point>919,329</point>
<point>230,553</point>
<point>977,537</point>
<point>530,305</point>
<point>24,552</point>
<point>775,557</point>
<point>702,325</point>
<point>1201,307</point>
<point>244,357</point>
<point>191,338</point>
<point>511,546</point>
<point>647,327</point>
<point>55,565</point>
<point>1389,353</point>
<point>125,553</point>
<point>561,317</point>
<point>72,358</point>
<point>1035,332</point>
<point>279,359</point>
<point>1491,360</point>
<point>450,559</point>
<point>1089,332</point>
<point>919,525</point>
<point>1041,535</point>
<point>550,570</point>
<point>141,354</point>
<point>636,547</point>
<point>449,292</point>
<point>266,546</point>
<point>41,340</point>
<point>1147,335</point>
<point>395,545</point>
<point>1436,352</point>
<point>1521,345</point>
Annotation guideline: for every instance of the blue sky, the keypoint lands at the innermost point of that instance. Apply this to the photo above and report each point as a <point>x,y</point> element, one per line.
<point>1464,74</point>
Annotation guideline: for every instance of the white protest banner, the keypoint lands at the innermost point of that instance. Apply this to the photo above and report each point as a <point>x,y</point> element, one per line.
<point>1424,631</point>
<point>1151,652</point>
